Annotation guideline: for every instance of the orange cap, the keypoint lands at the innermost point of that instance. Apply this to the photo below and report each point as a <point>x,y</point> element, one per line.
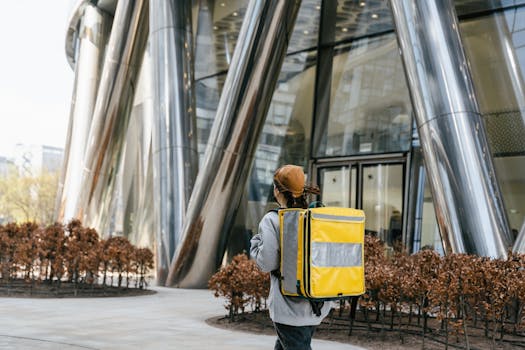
<point>291,178</point>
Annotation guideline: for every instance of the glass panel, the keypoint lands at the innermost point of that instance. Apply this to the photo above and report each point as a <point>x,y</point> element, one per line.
<point>495,47</point>
<point>465,7</point>
<point>218,27</point>
<point>285,138</point>
<point>306,29</point>
<point>370,108</point>
<point>353,187</point>
<point>207,94</point>
<point>512,185</point>
<point>335,186</point>
<point>430,236</point>
<point>383,201</point>
<point>361,18</point>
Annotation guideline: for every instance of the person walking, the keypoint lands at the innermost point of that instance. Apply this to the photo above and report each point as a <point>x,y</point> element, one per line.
<point>293,317</point>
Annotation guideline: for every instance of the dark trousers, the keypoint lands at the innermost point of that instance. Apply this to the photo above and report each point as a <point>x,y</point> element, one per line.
<point>292,337</point>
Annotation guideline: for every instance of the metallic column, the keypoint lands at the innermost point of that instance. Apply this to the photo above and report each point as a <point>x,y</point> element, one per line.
<point>467,198</point>
<point>415,197</point>
<point>91,39</point>
<point>135,173</point>
<point>176,159</point>
<point>221,181</point>
<point>122,64</point>
<point>323,77</point>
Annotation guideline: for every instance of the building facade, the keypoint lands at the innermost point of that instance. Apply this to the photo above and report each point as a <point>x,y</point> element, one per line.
<point>410,110</point>
<point>32,160</point>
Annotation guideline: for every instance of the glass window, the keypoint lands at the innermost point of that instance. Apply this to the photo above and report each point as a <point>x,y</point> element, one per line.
<point>466,7</point>
<point>370,109</point>
<point>429,238</point>
<point>306,29</point>
<point>338,186</point>
<point>495,47</point>
<point>383,201</point>
<point>218,26</point>
<point>207,94</point>
<point>285,137</point>
<point>335,184</point>
<point>361,18</point>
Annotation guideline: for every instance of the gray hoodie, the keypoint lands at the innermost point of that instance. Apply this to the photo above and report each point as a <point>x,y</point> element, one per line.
<point>292,311</point>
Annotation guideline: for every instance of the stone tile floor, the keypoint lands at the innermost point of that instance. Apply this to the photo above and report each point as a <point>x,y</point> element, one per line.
<point>170,319</point>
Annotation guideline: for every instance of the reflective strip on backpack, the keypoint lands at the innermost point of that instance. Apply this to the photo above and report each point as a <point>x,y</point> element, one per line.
<point>337,217</point>
<point>329,254</point>
<point>289,253</point>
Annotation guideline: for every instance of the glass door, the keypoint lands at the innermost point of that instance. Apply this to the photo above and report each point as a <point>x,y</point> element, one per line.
<point>377,187</point>
<point>382,201</point>
<point>338,185</point>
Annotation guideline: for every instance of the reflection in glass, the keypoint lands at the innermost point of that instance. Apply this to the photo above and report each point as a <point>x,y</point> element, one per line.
<point>306,28</point>
<point>285,139</point>
<point>466,7</point>
<point>511,172</point>
<point>361,18</point>
<point>383,201</point>
<point>335,186</point>
<point>370,109</point>
<point>219,24</point>
<point>430,237</point>
<point>207,94</point>
<point>495,47</point>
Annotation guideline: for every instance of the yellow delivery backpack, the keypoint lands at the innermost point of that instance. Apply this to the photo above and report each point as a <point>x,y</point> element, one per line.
<point>322,252</point>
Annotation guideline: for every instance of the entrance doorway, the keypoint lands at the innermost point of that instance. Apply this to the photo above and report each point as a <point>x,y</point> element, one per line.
<point>374,185</point>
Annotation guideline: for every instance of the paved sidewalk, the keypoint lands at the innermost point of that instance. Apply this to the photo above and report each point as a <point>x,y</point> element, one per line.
<point>170,319</point>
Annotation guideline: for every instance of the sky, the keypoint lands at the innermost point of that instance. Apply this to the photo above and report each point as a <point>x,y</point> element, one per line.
<point>36,80</point>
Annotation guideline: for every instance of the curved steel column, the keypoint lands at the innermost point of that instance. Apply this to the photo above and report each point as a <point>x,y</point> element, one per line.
<point>92,38</point>
<point>467,198</point>
<point>242,109</point>
<point>135,173</point>
<point>176,159</point>
<point>122,63</point>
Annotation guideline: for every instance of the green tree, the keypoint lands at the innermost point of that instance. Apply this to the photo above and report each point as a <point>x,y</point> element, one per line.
<point>28,198</point>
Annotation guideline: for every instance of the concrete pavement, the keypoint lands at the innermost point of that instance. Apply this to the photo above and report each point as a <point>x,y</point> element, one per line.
<point>170,319</point>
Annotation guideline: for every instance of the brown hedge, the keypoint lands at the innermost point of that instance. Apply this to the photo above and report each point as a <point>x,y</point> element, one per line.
<point>459,290</point>
<point>69,253</point>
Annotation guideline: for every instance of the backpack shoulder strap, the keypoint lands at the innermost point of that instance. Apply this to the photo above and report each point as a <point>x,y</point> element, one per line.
<point>276,272</point>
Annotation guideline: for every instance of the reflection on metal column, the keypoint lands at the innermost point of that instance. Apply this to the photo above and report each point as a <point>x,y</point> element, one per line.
<point>519,245</point>
<point>176,159</point>
<point>122,63</point>
<point>92,38</point>
<point>515,77</point>
<point>467,198</point>
<point>221,181</point>
<point>323,73</point>
<point>134,217</point>
<point>512,65</point>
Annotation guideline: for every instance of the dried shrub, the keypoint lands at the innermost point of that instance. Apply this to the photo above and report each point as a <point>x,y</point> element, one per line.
<point>459,291</point>
<point>143,262</point>
<point>71,253</point>
<point>241,283</point>
<point>117,256</point>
